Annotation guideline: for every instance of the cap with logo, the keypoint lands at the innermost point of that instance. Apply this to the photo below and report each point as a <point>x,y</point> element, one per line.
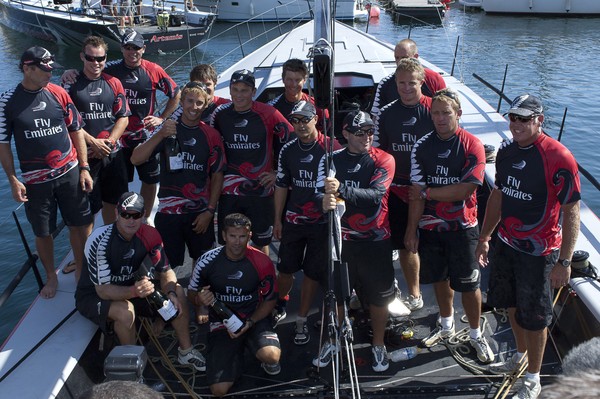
<point>355,120</point>
<point>526,105</point>
<point>132,37</point>
<point>244,76</point>
<point>304,108</point>
<point>130,202</point>
<point>39,57</point>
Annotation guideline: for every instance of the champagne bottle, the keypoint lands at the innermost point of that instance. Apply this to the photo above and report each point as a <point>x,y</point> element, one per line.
<point>157,300</point>
<point>230,319</point>
<point>173,156</point>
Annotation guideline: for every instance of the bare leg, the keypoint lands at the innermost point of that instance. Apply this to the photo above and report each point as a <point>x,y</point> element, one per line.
<point>536,343</point>
<point>263,249</point>
<point>518,331</point>
<point>221,388</point>
<point>181,324</point>
<point>123,315</point>
<point>410,268</point>
<point>284,282</point>
<point>148,193</point>
<point>379,318</point>
<point>77,236</point>
<point>471,302</point>
<point>108,212</point>
<point>445,298</point>
<point>307,294</point>
<point>45,249</point>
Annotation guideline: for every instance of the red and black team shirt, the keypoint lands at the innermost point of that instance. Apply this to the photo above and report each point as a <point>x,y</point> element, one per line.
<point>285,107</point>
<point>364,183</point>
<point>188,191</point>
<point>298,169</point>
<point>211,108</point>
<point>398,128</point>
<point>248,140</point>
<point>535,181</point>
<point>438,163</point>
<point>140,84</point>
<point>100,102</point>
<point>40,122</point>
<point>110,259</point>
<point>387,90</point>
<point>242,285</point>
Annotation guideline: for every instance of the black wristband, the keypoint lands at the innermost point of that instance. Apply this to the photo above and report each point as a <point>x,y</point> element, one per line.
<point>172,292</point>
<point>251,322</point>
<point>86,167</point>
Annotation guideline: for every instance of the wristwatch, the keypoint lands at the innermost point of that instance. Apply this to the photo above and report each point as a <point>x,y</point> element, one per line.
<point>423,194</point>
<point>564,262</point>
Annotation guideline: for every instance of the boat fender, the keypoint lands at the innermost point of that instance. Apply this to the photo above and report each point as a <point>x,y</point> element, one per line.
<point>374,11</point>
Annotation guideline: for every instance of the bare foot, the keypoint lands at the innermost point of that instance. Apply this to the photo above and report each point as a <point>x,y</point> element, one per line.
<point>49,290</point>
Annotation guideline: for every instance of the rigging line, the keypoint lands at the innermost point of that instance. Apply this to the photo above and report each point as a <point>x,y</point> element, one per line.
<point>36,346</point>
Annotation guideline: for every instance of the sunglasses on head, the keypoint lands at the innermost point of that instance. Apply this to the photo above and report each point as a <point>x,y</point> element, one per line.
<point>91,58</point>
<point>361,132</point>
<point>296,120</point>
<point>191,85</point>
<point>521,119</point>
<point>446,93</point>
<point>134,216</point>
<point>131,47</point>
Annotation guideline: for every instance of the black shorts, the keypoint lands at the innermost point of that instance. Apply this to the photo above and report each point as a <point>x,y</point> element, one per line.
<point>258,209</point>
<point>370,271</point>
<point>398,215</point>
<point>64,193</point>
<point>92,307</point>
<point>148,172</point>
<point>110,180</point>
<point>519,280</point>
<point>303,248</point>
<point>177,232</point>
<point>225,356</point>
<point>450,255</point>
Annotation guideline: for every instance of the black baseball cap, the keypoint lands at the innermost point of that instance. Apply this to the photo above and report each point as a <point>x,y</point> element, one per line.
<point>39,57</point>
<point>244,76</point>
<point>304,108</point>
<point>526,105</point>
<point>132,37</point>
<point>130,202</point>
<point>355,120</point>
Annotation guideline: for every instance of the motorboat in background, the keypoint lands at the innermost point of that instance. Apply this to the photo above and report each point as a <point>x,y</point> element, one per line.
<point>280,10</point>
<point>544,7</point>
<point>471,3</point>
<point>164,26</point>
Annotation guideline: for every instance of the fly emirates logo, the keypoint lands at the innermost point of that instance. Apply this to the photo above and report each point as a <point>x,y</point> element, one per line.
<point>512,189</point>
<point>188,162</point>
<point>234,295</point>
<point>43,128</point>
<point>132,97</point>
<point>242,142</point>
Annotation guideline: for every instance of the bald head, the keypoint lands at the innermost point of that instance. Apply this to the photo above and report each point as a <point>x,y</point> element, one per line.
<point>406,48</point>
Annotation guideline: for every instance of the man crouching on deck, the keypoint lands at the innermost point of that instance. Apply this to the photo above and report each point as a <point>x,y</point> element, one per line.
<point>108,290</point>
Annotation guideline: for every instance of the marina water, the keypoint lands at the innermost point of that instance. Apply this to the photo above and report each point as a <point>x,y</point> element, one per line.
<point>553,58</point>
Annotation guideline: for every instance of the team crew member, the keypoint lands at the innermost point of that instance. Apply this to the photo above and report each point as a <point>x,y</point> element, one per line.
<point>448,165</point>
<point>299,223</point>
<point>109,290</point>
<point>191,181</point>
<point>536,202</point>
<point>400,124</point>
<point>363,177</point>
<point>248,129</point>
<point>100,99</point>
<point>251,296</point>
<point>386,89</point>
<point>48,134</point>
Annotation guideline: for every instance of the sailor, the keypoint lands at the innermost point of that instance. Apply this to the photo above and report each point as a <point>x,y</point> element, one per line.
<point>248,129</point>
<point>250,294</point>
<point>535,202</point>
<point>401,123</point>
<point>363,177</point>
<point>110,290</point>
<point>50,145</point>
<point>448,165</point>
<point>299,223</point>
<point>190,180</point>
<point>206,74</point>
<point>100,98</point>
<point>386,89</point>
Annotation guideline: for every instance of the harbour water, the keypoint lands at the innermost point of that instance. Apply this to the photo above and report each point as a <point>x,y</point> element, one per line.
<point>553,58</point>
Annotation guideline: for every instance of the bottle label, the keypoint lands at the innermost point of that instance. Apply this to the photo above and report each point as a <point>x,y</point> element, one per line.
<point>175,162</point>
<point>168,311</point>
<point>233,324</point>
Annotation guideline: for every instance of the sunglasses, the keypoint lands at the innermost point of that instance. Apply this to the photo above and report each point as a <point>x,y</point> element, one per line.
<point>447,93</point>
<point>131,47</point>
<point>134,216</point>
<point>521,119</point>
<point>91,58</point>
<point>191,85</point>
<point>361,132</point>
<point>296,120</point>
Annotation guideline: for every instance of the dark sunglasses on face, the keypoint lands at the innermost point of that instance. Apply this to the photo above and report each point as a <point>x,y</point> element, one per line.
<point>296,120</point>
<point>91,58</point>
<point>361,132</point>
<point>522,119</point>
<point>131,47</point>
<point>134,216</point>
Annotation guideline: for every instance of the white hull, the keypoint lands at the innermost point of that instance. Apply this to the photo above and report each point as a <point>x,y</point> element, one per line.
<point>554,7</point>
